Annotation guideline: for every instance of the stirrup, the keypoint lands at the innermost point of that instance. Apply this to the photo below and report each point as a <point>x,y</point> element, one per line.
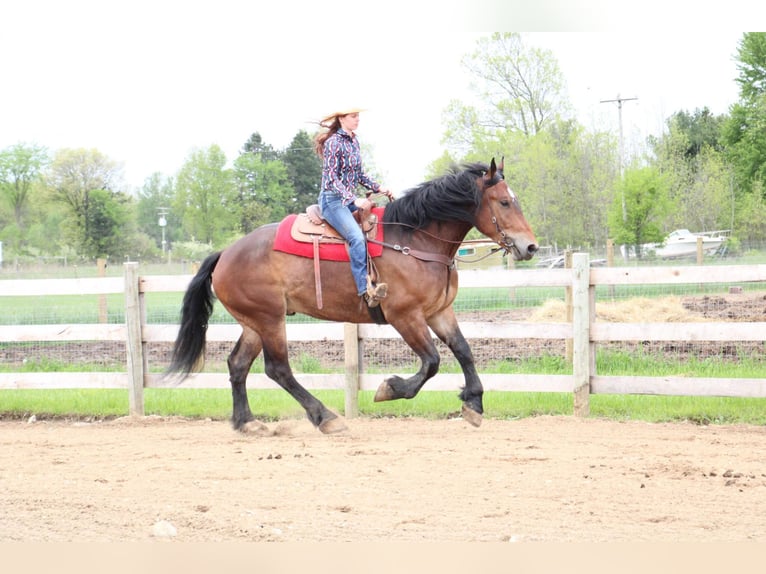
<point>371,300</point>
<point>376,292</point>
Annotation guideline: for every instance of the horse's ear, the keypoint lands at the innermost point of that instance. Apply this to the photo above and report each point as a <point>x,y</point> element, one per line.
<point>492,168</point>
<point>502,164</point>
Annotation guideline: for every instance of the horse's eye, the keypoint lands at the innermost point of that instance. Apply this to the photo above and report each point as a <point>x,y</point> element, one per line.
<point>505,203</point>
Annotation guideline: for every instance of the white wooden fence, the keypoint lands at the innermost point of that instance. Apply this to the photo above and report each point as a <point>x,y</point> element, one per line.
<point>584,332</point>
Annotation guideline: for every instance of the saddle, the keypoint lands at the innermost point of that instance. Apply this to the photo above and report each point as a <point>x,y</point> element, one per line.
<point>311,227</point>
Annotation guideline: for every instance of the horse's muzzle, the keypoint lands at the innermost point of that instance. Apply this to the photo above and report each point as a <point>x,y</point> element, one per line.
<point>521,250</point>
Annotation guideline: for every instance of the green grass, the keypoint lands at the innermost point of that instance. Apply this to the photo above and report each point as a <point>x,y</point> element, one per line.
<point>276,404</point>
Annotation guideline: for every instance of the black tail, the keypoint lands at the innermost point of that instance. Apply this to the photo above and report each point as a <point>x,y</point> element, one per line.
<point>189,348</point>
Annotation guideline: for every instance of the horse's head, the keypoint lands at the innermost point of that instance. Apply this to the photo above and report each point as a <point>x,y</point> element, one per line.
<point>500,217</point>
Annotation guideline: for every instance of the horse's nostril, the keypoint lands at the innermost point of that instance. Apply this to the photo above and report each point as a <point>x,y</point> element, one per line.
<point>532,249</point>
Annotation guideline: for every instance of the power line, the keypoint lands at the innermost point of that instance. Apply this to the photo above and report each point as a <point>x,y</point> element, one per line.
<point>618,100</point>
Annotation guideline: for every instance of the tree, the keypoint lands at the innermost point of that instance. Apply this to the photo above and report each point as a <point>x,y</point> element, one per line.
<point>691,157</point>
<point>108,225</point>
<point>75,178</point>
<point>304,170</point>
<point>264,191</point>
<point>564,177</point>
<point>256,145</point>
<point>21,168</point>
<point>154,197</point>
<point>646,203</point>
<point>701,129</point>
<point>520,88</point>
<point>745,132</point>
<point>205,198</point>
<point>751,215</point>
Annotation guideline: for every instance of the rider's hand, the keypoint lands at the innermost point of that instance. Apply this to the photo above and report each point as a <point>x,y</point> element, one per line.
<point>387,192</point>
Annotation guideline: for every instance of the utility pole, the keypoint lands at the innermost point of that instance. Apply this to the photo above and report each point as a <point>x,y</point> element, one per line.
<point>618,100</point>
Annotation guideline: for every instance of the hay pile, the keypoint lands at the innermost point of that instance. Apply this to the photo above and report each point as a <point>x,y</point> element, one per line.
<point>636,310</point>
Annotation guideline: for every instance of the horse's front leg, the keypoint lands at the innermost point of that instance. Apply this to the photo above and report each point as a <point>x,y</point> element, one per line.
<point>415,333</point>
<point>444,324</point>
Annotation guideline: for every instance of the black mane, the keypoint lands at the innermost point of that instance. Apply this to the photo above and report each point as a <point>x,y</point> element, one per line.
<point>451,197</point>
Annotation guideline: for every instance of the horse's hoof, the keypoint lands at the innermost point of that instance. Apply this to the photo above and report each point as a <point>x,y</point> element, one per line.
<point>333,426</point>
<point>256,428</point>
<point>384,393</point>
<point>471,416</point>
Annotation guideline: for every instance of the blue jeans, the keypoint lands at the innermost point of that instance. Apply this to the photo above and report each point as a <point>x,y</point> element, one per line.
<point>341,218</point>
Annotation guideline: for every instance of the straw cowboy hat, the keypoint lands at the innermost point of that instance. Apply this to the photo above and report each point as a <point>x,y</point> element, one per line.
<point>340,112</point>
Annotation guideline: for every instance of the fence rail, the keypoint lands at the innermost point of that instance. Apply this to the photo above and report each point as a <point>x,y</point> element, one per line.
<point>584,332</point>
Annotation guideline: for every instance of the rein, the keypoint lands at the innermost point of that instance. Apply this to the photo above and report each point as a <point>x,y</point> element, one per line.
<point>416,253</point>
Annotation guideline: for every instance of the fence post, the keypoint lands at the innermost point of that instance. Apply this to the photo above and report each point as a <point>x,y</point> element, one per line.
<point>581,348</point>
<point>101,272</point>
<point>134,347</point>
<point>568,303</point>
<point>351,351</point>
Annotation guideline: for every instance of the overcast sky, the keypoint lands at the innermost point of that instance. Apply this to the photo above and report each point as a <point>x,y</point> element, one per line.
<point>147,82</point>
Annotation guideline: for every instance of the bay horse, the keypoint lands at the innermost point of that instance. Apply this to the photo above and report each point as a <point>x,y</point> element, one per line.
<point>424,228</point>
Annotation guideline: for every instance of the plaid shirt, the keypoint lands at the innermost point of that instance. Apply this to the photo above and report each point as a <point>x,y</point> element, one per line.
<point>342,170</point>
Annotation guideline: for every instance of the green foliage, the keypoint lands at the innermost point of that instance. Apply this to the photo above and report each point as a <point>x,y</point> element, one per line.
<point>751,213</point>
<point>699,179</point>
<point>256,146</point>
<point>87,183</point>
<point>745,132</point>
<point>563,176</point>
<point>21,167</point>
<point>192,250</point>
<point>752,65</point>
<point>106,225</point>
<point>264,191</point>
<point>206,197</point>
<point>155,197</point>
<point>639,207</point>
<point>304,170</point>
<point>520,90</point>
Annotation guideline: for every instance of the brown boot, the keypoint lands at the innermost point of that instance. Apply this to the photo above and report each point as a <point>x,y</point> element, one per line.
<point>375,293</point>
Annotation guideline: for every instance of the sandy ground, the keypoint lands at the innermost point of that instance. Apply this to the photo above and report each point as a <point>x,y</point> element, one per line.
<point>554,479</point>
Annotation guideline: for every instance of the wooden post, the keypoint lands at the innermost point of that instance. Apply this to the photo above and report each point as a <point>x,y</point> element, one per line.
<point>511,264</point>
<point>700,251</point>
<point>610,262</point>
<point>581,348</point>
<point>351,349</point>
<point>101,272</point>
<point>568,304</point>
<point>610,252</point>
<point>134,344</point>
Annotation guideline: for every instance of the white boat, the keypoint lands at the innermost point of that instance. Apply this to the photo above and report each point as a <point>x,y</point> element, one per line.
<point>682,243</point>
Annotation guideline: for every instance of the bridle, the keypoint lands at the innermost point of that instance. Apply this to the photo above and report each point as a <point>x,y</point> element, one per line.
<point>505,243</point>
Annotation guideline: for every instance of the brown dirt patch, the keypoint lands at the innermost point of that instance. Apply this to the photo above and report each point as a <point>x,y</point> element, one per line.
<point>537,479</point>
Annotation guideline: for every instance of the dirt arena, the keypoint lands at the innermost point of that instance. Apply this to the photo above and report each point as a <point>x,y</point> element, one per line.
<point>549,479</point>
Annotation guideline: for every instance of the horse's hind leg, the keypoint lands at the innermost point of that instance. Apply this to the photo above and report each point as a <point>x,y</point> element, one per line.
<point>277,367</point>
<point>240,360</point>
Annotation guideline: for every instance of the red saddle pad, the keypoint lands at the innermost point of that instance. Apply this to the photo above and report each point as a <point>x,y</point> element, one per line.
<point>328,251</point>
